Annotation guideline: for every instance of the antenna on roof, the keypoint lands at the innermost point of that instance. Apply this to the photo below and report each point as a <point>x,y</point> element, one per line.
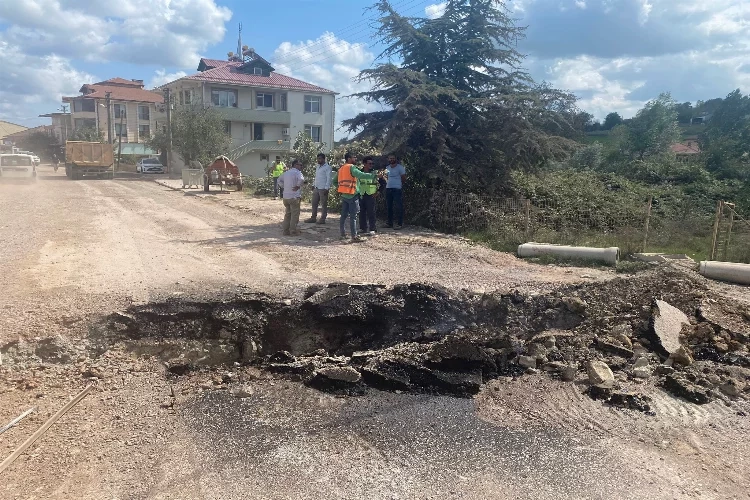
<point>239,41</point>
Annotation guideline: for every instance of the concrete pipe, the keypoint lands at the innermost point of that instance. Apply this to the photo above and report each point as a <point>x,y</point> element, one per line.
<point>607,255</point>
<point>726,271</point>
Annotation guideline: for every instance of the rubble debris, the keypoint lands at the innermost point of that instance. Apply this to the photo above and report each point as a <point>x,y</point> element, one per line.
<point>665,327</point>
<point>527,361</point>
<point>613,348</point>
<point>642,368</point>
<point>622,334</point>
<point>575,304</point>
<point>600,374</point>
<point>242,391</point>
<point>16,420</point>
<point>629,401</point>
<point>339,373</point>
<point>682,356</point>
<point>681,387</point>
<point>732,387</point>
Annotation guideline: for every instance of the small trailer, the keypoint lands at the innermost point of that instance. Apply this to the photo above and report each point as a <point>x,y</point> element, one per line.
<point>222,172</point>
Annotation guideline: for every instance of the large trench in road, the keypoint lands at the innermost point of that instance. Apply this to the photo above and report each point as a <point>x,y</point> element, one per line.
<point>424,338</point>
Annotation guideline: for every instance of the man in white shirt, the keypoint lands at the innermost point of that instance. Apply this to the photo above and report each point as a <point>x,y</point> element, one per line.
<point>320,192</point>
<point>290,183</point>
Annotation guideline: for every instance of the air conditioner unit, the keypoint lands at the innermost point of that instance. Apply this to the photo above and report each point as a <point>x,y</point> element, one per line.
<point>284,131</point>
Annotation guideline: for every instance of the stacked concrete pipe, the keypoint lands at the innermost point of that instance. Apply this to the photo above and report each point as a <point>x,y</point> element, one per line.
<point>726,271</point>
<point>607,255</point>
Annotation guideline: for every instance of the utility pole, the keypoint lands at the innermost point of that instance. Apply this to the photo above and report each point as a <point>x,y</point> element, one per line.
<point>168,102</point>
<point>119,145</point>
<point>108,101</point>
<point>65,122</point>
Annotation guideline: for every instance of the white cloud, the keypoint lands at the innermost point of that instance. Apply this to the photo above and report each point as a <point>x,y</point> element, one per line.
<point>169,32</point>
<point>33,82</point>
<point>161,77</point>
<point>42,40</point>
<point>581,4</point>
<point>435,10</point>
<point>332,63</point>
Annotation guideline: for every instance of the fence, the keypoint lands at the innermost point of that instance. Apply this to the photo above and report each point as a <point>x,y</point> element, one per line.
<point>730,239</point>
<point>634,225</point>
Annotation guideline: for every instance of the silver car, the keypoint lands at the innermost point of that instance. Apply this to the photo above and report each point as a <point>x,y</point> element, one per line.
<point>149,166</point>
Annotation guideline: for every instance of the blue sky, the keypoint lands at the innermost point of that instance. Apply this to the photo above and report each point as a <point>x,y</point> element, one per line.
<point>614,54</point>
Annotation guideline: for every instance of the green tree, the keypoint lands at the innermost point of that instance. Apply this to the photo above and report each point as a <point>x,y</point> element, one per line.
<point>685,112</point>
<point>612,120</point>
<point>306,151</point>
<point>86,134</point>
<point>40,143</point>
<point>459,106</point>
<point>197,134</point>
<point>651,132</point>
<point>726,139</point>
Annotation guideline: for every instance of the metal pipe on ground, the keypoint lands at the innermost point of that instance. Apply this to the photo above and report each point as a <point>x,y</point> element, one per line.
<point>607,255</point>
<point>726,271</point>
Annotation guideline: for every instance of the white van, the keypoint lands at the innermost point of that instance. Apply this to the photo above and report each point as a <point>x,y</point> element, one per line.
<point>17,166</point>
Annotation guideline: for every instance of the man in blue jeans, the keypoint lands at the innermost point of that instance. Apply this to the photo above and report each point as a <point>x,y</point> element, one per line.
<point>347,184</point>
<point>393,198</point>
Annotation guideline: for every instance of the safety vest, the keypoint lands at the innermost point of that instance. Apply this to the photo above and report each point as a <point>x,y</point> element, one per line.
<point>368,186</point>
<point>347,182</point>
<point>278,169</point>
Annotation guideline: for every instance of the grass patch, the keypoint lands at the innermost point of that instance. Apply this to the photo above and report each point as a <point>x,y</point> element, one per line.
<point>631,266</point>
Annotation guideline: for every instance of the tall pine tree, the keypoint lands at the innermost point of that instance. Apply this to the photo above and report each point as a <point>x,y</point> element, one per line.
<point>459,106</point>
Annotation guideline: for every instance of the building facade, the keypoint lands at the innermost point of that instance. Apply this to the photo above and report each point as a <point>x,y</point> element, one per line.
<point>134,113</point>
<point>263,110</point>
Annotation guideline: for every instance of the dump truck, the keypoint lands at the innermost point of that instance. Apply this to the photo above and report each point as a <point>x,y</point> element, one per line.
<point>89,159</point>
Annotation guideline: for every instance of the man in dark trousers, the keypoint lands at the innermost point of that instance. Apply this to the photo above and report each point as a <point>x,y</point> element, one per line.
<point>393,198</point>
<point>370,189</point>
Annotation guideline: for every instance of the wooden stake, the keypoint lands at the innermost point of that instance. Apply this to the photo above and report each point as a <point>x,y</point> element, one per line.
<point>648,219</point>
<point>729,229</point>
<point>527,210</point>
<point>719,210</point>
<point>39,432</point>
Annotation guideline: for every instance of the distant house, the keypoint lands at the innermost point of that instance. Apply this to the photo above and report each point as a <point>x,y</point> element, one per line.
<point>62,125</point>
<point>136,112</point>
<point>6,129</point>
<point>687,151</point>
<point>702,119</point>
<point>263,110</point>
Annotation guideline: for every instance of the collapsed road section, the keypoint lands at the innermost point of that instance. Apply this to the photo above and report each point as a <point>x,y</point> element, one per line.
<point>664,325</point>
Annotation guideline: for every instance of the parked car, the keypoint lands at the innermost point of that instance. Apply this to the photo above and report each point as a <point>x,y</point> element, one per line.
<point>149,166</point>
<point>34,157</point>
<point>15,166</point>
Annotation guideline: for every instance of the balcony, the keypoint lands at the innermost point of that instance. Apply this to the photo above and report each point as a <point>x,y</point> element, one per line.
<point>254,115</point>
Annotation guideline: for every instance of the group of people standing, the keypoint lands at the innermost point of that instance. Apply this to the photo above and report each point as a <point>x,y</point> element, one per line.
<point>357,185</point>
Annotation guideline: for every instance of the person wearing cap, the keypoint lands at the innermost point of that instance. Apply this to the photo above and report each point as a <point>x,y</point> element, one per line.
<point>321,186</point>
<point>290,183</point>
<point>276,171</point>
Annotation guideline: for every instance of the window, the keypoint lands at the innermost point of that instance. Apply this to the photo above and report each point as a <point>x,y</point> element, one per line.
<point>314,132</point>
<point>121,130</point>
<point>15,161</point>
<point>143,113</point>
<point>185,96</point>
<point>313,104</point>
<point>263,157</point>
<point>224,98</point>
<point>257,71</point>
<point>86,105</point>
<point>120,111</point>
<point>257,131</point>
<point>228,127</point>
<point>264,100</point>
<point>283,102</point>
<point>84,123</point>
<point>144,132</point>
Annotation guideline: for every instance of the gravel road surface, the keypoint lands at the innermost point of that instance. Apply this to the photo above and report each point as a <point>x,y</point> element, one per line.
<point>75,251</point>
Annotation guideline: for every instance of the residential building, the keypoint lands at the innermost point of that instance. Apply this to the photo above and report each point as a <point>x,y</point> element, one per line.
<point>135,112</point>
<point>687,151</point>
<point>6,129</point>
<point>263,110</point>
<point>62,126</point>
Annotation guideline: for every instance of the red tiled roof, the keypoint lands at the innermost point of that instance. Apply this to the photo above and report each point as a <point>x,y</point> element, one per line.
<point>686,148</point>
<point>127,91</point>
<point>122,81</point>
<point>212,63</point>
<point>228,73</point>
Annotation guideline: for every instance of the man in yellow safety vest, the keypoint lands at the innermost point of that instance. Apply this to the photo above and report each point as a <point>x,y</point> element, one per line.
<point>278,169</point>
